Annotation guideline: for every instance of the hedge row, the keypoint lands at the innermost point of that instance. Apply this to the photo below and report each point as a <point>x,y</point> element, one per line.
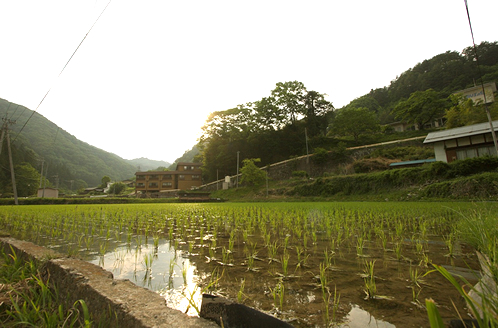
<point>430,174</point>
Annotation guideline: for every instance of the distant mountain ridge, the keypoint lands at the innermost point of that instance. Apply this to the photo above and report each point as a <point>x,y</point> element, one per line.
<point>70,161</point>
<point>145,164</point>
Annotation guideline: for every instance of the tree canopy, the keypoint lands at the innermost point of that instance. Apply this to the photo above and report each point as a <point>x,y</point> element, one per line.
<point>354,122</point>
<point>272,128</point>
<point>421,108</point>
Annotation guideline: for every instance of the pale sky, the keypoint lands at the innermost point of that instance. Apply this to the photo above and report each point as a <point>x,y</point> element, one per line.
<point>149,73</point>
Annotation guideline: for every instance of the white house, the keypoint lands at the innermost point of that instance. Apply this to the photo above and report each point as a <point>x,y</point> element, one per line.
<point>463,142</point>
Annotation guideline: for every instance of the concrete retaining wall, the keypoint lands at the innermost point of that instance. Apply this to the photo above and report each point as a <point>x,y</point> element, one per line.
<point>118,303</point>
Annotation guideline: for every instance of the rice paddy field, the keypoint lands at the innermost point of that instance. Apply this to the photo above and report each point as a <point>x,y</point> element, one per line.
<point>358,264</point>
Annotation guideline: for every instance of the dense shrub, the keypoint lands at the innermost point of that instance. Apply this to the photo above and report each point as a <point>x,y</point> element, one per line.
<point>367,165</point>
<point>473,165</point>
<point>320,156</point>
<point>478,186</point>
<point>407,153</point>
<point>434,174</point>
<point>299,174</point>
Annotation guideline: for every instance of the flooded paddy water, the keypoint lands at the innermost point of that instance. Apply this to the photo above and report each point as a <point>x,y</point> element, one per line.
<point>310,264</point>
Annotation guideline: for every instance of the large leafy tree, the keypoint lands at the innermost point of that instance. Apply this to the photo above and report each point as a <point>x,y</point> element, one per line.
<point>251,174</point>
<point>289,99</point>
<point>421,108</point>
<point>27,179</point>
<point>316,108</point>
<point>271,128</point>
<point>354,122</point>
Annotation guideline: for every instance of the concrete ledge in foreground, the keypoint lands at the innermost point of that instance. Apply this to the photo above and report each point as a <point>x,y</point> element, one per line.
<point>117,302</point>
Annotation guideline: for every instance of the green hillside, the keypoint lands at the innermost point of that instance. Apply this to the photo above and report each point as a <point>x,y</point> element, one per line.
<point>293,120</point>
<point>145,164</point>
<point>75,163</point>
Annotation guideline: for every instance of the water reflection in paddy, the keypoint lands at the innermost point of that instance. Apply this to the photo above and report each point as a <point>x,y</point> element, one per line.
<point>161,269</point>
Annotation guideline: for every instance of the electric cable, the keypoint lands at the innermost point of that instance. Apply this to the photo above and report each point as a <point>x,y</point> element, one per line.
<point>46,94</point>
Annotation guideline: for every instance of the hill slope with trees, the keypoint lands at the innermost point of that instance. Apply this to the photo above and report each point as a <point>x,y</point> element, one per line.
<point>69,161</point>
<point>293,120</point>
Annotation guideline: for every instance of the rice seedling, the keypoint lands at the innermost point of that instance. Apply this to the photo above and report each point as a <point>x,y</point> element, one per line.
<point>398,246</point>
<point>285,263</point>
<point>369,279</point>
<point>360,243</point>
<point>449,240</point>
<point>272,251</point>
<point>240,293</point>
<point>280,227</point>
<point>278,293</point>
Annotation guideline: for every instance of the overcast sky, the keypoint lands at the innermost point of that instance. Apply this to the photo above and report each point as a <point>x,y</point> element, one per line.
<point>149,73</point>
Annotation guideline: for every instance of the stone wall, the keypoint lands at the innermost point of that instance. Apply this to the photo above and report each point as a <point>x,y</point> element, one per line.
<point>283,170</point>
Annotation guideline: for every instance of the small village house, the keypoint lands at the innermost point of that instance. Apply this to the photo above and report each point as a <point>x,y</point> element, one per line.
<point>463,142</point>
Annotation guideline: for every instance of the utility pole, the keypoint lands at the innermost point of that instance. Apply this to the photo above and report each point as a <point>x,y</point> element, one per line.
<point>238,152</point>
<point>5,132</point>
<point>493,133</point>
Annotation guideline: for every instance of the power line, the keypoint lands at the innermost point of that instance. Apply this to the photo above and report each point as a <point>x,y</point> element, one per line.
<point>63,69</point>
<point>493,134</point>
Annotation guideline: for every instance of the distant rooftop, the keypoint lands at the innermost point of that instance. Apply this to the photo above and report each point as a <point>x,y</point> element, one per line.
<point>464,131</point>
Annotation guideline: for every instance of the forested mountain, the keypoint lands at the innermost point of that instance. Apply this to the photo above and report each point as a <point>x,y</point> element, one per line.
<point>145,164</point>
<point>70,162</point>
<point>445,73</point>
<point>293,120</point>
<point>190,155</point>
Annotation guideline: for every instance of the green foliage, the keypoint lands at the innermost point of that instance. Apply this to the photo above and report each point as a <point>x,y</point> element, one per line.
<point>320,155</point>
<point>251,174</point>
<point>367,165</point>
<point>104,181</point>
<point>422,107</point>
<point>354,122</point>
<point>471,185</point>
<point>403,153</point>
<point>464,112</point>
<point>117,188</point>
<point>64,155</point>
<point>27,180</point>
<point>477,186</point>
<point>272,129</point>
<point>299,174</point>
<point>33,302</point>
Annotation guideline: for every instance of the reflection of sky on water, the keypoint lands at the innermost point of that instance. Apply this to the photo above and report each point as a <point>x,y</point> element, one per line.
<point>359,318</point>
<point>168,274</point>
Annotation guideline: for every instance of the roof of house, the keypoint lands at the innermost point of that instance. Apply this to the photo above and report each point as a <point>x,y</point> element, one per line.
<point>416,162</point>
<point>464,131</point>
<point>156,172</point>
<point>188,164</point>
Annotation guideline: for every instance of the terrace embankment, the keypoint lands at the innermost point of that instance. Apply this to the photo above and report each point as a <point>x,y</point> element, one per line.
<point>117,302</point>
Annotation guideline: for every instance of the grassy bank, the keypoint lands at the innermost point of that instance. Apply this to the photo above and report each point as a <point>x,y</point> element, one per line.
<point>471,179</point>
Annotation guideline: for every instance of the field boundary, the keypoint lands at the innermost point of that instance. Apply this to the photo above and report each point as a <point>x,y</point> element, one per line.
<point>118,302</point>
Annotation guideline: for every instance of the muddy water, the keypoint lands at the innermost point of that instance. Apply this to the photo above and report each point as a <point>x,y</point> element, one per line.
<point>183,268</point>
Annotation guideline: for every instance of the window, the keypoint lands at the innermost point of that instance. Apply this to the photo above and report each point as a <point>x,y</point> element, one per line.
<point>167,184</point>
<point>196,177</point>
<point>185,168</point>
<point>476,152</point>
<point>140,184</point>
<point>192,168</point>
<point>140,177</point>
<point>152,177</point>
<point>153,185</point>
<point>181,177</point>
